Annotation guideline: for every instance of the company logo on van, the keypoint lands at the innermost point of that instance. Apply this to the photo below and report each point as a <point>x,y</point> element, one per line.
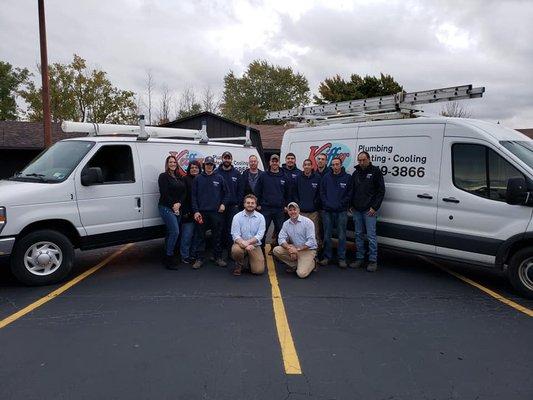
<point>332,150</point>
<point>184,157</point>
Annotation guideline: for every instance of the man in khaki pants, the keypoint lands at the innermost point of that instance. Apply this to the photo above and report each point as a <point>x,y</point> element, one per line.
<point>297,242</point>
<point>247,230</point>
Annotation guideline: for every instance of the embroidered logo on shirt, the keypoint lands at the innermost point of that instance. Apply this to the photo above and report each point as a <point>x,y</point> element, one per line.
<point>315,185</point>
<point>342,185</point>
<point>368,176</point>
<point>234,178</point>
<point>282,181</point>
<point>216,183</point>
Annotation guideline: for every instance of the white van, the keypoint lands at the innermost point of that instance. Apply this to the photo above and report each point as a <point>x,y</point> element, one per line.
<point>87,193</point>
<point>458,189</point>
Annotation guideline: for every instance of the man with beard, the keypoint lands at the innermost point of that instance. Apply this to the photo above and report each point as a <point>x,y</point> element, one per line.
<point>307,195</point>
<point>273,195</point>
<point>235,184</point>
<point>247,230</point>
<point>368,190</point>
<point>322,165</point>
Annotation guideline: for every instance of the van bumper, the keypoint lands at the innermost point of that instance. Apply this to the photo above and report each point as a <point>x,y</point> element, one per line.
<point>6,245</point>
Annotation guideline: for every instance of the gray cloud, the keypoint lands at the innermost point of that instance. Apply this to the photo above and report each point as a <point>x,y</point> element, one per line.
<point>422,44</point>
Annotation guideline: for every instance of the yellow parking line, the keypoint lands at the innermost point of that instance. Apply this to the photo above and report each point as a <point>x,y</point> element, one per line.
<point>52,295</point>
<point>288,350</point>
<point>490,292</point>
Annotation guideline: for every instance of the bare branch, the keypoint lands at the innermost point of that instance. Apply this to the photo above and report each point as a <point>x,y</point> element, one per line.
<point>455,109</point>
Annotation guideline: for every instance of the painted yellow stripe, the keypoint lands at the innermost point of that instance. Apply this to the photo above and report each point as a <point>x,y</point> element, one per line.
<point>52,295</point>
<point>288,350</point>
<point>490,292</point>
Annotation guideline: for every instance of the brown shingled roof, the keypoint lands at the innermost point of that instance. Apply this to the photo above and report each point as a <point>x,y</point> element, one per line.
<point>527,132</point>
<point>271,135</point>
<point>29,135</point>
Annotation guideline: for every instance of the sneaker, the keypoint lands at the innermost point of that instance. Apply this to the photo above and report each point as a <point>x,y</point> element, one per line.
<point>187,260</point>
<point>342,264</point>
<point>197,264</point>
<point>323,262</point>
<point>237,270</point>
<point>357,264</point>
<point>221,263</point>
<point>372,266</point>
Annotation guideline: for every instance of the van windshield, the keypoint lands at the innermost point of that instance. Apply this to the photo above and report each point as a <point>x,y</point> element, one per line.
<point>523,149</point>
<point>55,164</point>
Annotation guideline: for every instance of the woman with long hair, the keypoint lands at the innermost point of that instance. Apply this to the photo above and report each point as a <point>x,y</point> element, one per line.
<point>189,235</point>
<point>173,192</point>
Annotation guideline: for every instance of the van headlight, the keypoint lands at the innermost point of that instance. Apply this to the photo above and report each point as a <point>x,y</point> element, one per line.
<point>3,218</point>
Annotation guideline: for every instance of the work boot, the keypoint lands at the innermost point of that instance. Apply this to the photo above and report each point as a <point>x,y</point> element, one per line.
<point>197,264</point>
<point>372,266</point>
<point>323,262</point>
<point>357,263</point>
<point>237,270</point>
<point>220,262</point>
<point>170,262</point>
<point>342,264</point>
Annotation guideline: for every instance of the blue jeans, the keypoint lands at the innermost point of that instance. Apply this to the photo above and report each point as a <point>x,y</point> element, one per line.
<point>187,242</point>
<point>272,215</point>
<point>363,221</point>
<point>172,221</point>
<point>337,220</point>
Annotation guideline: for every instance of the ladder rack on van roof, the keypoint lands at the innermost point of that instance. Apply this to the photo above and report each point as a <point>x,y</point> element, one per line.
<point>143,132</point>
<point>399,105</point>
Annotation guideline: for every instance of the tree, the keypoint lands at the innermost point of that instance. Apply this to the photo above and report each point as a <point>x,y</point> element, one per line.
<point>455,109</point>
<point>209,101</point>
<point>165,104</point>
<point>149,91</point>
<point>263,87</point>
<point>75,91</point>
<point>336,89</point>
<point>188,104</point>
<point>12,81</point>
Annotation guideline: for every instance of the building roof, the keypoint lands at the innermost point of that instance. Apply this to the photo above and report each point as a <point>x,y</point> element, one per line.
<point>527,132</point>
<point>29,135</point>
<point>171,124</point>
<point>271,135</point>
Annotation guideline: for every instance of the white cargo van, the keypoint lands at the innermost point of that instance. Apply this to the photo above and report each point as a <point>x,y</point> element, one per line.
<point>91,192</point>
<point>458,189</point>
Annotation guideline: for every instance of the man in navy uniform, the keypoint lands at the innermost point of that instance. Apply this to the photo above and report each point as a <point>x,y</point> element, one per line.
<point>307,195</point>
<point>210,194</point>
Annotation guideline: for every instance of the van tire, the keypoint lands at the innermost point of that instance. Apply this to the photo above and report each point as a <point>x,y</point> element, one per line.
<point>42,257</point>
<point>520,272</point>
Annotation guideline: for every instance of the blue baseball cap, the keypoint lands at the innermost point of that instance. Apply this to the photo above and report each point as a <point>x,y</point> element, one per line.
<point>209,160</point>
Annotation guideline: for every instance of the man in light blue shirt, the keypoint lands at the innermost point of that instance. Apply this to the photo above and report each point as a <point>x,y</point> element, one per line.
<point>247,230</point>
<point>297,243</point>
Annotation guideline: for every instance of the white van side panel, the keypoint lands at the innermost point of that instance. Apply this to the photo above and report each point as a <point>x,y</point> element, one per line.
<point>409,157</point>
<point>153,157</point>
<point>474,225</point>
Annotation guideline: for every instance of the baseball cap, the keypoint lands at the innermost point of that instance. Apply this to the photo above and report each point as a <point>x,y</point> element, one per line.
<point>226,153</point>
<point>293,204</point>
<point>209,160</point>
<point>274,156</point>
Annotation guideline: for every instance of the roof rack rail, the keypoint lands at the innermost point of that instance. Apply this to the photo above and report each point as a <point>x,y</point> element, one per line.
<point>399,105</point>
<point>143,132</point>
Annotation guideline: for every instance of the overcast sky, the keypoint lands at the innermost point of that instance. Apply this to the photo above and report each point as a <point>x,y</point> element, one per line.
<point>423,44</point>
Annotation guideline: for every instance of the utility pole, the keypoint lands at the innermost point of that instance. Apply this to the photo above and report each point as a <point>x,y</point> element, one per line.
<point>44,74</point>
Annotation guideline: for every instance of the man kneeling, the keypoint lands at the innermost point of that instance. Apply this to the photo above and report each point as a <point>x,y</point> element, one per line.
<point>297,242</point>
<point>247,230</point>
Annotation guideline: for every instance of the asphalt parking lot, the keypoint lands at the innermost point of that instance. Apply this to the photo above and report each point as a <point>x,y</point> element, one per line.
<point>135,330</point>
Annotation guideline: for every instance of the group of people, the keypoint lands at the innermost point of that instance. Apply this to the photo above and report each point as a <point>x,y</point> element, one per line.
<point>305,206</point>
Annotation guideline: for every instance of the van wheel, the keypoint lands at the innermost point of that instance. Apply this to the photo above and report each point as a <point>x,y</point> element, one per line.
<point>521,272</point>
<point>42,258</point>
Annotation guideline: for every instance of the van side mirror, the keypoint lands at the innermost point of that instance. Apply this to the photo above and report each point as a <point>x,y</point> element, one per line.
<point>91,176</point>
<point>516,191</point>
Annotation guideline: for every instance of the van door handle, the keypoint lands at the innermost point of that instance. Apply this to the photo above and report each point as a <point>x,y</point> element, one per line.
<point>450,200</point>
<point>424,196</point>
<point>138,200</point>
